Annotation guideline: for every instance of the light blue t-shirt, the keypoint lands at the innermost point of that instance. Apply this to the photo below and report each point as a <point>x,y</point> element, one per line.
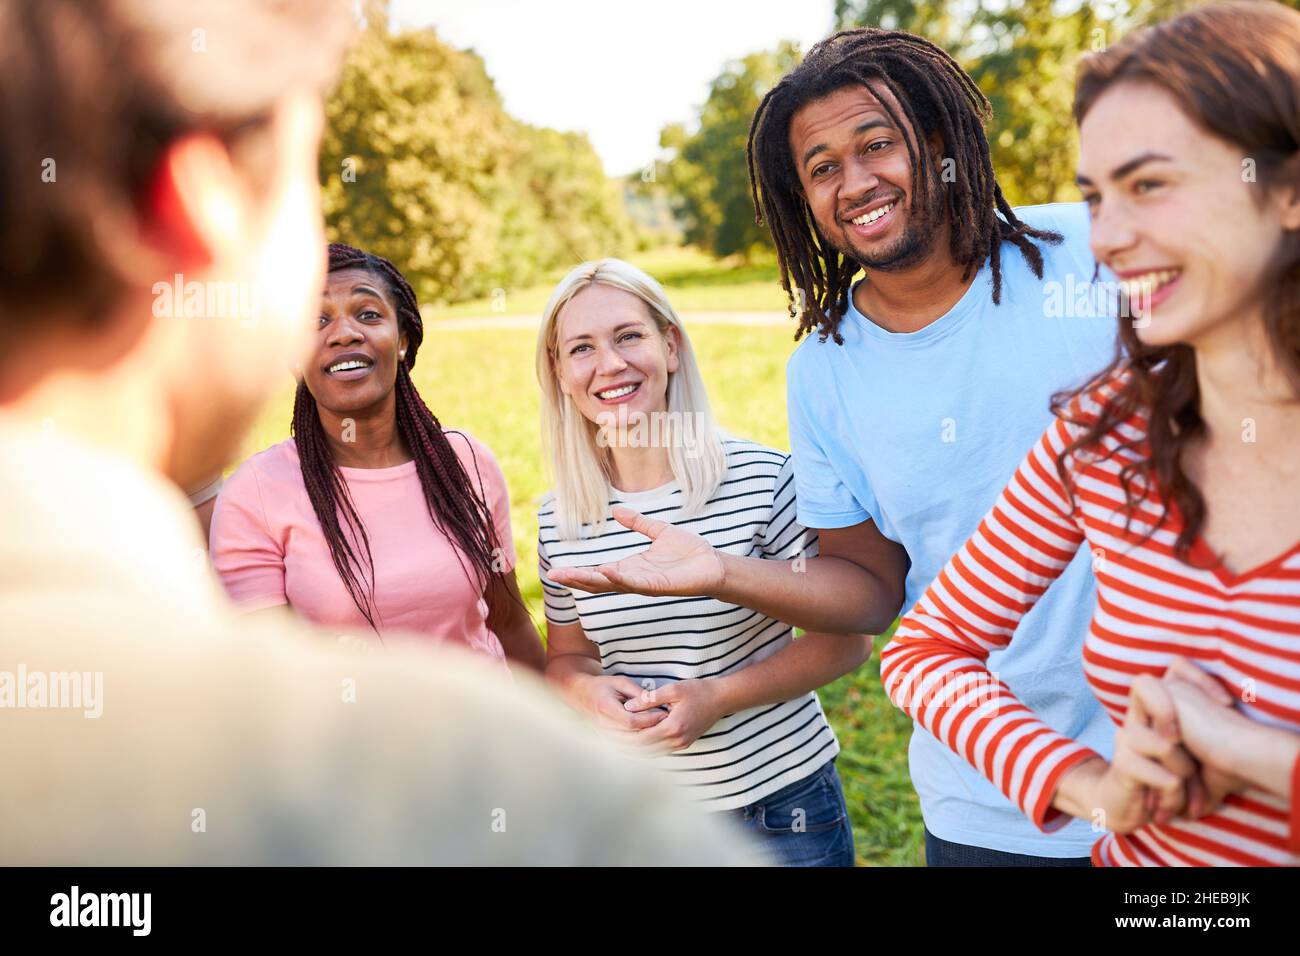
<point>920,431</point>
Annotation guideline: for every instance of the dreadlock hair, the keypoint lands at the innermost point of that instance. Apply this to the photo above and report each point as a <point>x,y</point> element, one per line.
<point>936,96</point>
<point>457,510</point>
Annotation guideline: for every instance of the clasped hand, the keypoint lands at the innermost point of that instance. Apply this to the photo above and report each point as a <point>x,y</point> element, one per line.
<point>663,719</point>
<point>1172,752</point>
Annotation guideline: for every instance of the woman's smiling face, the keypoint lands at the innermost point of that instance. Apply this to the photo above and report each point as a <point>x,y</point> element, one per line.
<point>611,358</point>
<point>358,344</point>
<point>1176,214</point>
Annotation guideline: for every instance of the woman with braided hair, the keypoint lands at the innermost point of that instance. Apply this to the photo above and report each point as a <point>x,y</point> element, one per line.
<point>373,516</point>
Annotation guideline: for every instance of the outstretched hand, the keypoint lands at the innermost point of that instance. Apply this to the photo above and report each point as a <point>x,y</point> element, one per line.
<point>678,562</point>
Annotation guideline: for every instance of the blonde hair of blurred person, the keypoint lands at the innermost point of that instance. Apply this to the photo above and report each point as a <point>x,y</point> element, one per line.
<point>150,144</point>
<point>579,464</point>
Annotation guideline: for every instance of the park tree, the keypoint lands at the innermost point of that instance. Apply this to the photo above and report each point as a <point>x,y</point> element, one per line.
<point>943,22</point>
<point>575,211</point>
<point>1023,55</point>
<point>1024,61</point>
<point>412,157</point>
<point>706,173</point>
<point>421,163</point>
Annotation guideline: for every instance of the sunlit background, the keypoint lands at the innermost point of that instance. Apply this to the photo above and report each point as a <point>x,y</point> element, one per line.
<point>486,148</point>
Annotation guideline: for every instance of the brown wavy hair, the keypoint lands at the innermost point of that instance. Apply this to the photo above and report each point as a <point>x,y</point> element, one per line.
<point>1234,69</point>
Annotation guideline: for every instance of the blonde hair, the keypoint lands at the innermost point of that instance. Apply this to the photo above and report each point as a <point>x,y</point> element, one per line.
<point>580,468</point>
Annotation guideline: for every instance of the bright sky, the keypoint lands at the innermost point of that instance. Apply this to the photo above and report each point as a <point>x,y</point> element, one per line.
<point>618,70</point>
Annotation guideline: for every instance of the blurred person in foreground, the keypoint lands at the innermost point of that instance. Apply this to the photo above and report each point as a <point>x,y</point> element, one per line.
<point>151,144</point>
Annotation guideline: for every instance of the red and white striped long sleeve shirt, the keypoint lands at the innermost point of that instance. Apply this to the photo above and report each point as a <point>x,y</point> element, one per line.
<point>1151,607</point>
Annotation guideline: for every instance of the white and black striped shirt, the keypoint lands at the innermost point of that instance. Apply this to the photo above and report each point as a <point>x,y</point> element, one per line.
<point>746,755</point>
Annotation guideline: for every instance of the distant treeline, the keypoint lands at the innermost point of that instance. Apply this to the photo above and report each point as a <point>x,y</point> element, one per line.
<point>421,164</point>
<point>1021,53</point>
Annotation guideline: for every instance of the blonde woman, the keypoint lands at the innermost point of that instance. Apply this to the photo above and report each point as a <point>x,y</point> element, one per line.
<point>720,695</point>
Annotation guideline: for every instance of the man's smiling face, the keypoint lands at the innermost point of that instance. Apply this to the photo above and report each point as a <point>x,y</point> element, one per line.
<point>856,177</point>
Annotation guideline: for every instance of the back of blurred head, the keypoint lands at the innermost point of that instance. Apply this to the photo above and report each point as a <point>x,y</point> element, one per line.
<point>153,148</point>
<point>182,138</point>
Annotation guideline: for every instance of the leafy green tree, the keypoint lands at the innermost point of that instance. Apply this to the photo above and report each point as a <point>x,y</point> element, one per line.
<point>943,22</point>
<point>421,164</point>
<point>706,174</point>
<point>1023,55</point>
<point>1027,72</point>
<point>576,210</point>
<point>413,150</point>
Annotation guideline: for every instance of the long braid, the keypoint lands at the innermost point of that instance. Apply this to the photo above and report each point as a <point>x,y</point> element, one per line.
<point>457,509</point>
<point>936,96</point>
<point>329,496</point>
<point>465,519</point>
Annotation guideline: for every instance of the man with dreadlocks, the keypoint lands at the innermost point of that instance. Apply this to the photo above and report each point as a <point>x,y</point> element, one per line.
<point>373,516</point>
<point>925,382</point>
<point>918,388</point>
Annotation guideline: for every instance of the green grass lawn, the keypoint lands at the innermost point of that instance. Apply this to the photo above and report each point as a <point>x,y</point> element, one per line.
<point>483,381</point>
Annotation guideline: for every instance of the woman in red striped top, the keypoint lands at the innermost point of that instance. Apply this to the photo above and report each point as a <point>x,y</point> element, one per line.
<point>1177,468</point>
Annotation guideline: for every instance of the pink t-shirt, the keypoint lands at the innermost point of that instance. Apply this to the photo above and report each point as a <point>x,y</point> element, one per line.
<point>268,547</point>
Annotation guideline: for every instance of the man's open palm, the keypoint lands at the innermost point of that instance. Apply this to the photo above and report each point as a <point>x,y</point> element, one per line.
<point>678,562</point>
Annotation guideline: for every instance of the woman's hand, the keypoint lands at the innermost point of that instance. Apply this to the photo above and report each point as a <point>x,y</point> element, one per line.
<point>693,707</point>
<point>678,562</point>
<point>603,698</point>
<point>1148,778</point>
<point>1149,750</point>
<point>1208,725</point>
<point>1095,790</point>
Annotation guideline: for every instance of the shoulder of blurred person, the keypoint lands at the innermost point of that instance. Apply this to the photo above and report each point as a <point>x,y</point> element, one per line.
<point>198,737</point>
<point>142,721</point>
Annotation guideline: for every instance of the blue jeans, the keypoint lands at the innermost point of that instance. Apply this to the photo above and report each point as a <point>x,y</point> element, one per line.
<point>943,853</point>
<point>805,823</point>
